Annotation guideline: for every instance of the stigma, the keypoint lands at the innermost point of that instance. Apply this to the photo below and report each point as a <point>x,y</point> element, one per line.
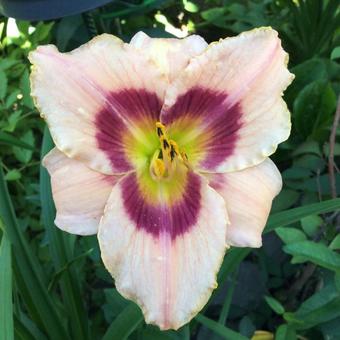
<point>166,157</point>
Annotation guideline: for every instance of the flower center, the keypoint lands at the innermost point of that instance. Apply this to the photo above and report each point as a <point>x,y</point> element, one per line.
<point>165,158</point>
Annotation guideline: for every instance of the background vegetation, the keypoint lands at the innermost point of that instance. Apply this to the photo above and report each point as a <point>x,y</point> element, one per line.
<point>53,285</point>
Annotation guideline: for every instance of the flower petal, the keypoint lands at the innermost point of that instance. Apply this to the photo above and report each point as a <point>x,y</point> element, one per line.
<point>248,195</point>
<point>98,100</point>
<point>164,256</point>
<point>228,102</point>
<point>79,193</point>
<point>170,55</point>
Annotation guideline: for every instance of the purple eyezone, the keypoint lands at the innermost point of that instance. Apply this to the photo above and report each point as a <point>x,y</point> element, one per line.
<point>175,219</point>
<point>220,121</point>
<point>124,107</point>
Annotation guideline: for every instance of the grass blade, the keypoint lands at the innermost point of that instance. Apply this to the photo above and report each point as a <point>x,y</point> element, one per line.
<point>62,254</point>
<point>126,322</point>
<point>290,216</point>
<point>222,331</point>
<point>28,272</point>
<point>6,306</point>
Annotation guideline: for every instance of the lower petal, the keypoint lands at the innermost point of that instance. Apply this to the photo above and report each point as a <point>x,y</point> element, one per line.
<point>164,255</point>
<point>79,193</point>
<point>248,195</point>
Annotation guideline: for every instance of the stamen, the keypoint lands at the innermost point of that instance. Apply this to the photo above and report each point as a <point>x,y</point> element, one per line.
<point>160,128</point>
<point>163,163</point>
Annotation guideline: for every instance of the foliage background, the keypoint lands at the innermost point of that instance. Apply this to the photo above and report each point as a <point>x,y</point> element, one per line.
<point>53,285</point>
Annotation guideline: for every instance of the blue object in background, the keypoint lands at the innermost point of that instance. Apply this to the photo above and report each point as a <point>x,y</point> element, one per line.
<point>46,9</point>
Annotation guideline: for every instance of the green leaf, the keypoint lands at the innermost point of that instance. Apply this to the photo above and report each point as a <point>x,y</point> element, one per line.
<point>8,139</point>
<point>290,235</point>
<point>3,84</point>
<point>13,175</point>
<point>6,305</point>
<point>311,224</point>
<point>335,244</point>
<point>294,215</point>
<point>126,322</point>
<point>24,155</point>
<point>335,53</point>
<point>285,332</point>
<point>321,307</point>
<point>29,276</point>
<point>222,331</point>
<point>26,90</point>
<point>315,252</point>
<point>190,6</point>
<point>313,109</point>
<point>235,256</point>
<point>275,305</point>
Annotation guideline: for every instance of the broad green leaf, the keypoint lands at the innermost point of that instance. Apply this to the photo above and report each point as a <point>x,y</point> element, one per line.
<point>285,332</point>
<point>335,53</point>
<point>7,139</point>
<point>6,305</point>
<point>13,175</point>
<point>6,63</point>
<point>335,244</point>
<point>24,155</point>
<point>305,73</point>
<point>222,331</point>
<point>330,329</point>
<point>275,305</point>
<point>190,6</point>
<point>125,323</point>
<point>290,235</point>
<point>235,256</point>
<point>285,199</point>
<point>315,252</point>
<point>29,276</point>
<point>313,109</point>
<point>321,307</point>
<point>311,224</point>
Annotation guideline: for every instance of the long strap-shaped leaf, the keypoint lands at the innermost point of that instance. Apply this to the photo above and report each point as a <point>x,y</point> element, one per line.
<point>28,273</point>
<point>6,305</point>
<point>60,247</point>
<point>125,323</point>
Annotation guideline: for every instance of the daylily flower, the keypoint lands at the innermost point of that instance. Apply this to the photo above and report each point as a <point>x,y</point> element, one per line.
<point>162,149</point>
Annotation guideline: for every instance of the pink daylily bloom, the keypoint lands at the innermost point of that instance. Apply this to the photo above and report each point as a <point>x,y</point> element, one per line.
<point>162,149</point>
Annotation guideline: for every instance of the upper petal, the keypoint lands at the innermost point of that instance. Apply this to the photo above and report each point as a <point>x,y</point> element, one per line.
<point>226,106</point>
<point>170,55</point>
<point>164,255</point>
<point>248,195</point>
<point>99,100</point>
<point>79,193</point>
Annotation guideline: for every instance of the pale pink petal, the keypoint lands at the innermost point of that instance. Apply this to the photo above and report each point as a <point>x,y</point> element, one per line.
<point>98,100</point>
<point>228,102</point>
<point>79,193</point>
<point>164,257</point>
<point>170,55</point>
<point>248,195</point>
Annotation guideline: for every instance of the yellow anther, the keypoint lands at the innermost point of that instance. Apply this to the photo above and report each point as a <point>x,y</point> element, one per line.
<point>158,168</point>
<point>164,142</point>
<point>160,128</point>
